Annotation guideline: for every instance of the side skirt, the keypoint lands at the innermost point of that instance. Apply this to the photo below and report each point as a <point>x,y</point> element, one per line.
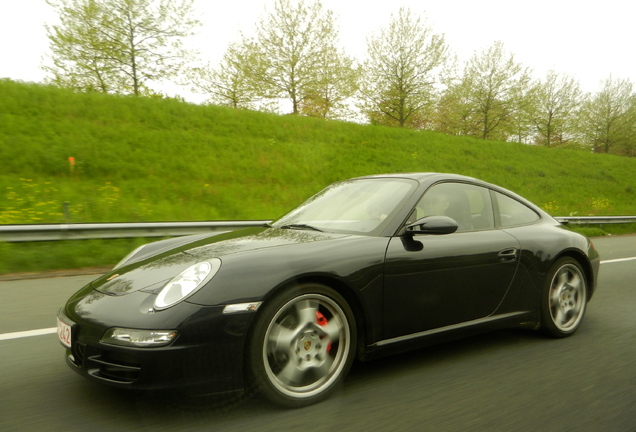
<point>524,319</point>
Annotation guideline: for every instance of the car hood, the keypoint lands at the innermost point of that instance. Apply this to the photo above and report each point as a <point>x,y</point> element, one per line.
<point>152,273</point>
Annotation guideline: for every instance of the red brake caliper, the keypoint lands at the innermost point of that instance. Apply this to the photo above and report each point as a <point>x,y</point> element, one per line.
<point>323,321</point>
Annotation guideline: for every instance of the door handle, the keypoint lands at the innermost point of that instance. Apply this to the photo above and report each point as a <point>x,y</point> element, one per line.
<point>508,255</point>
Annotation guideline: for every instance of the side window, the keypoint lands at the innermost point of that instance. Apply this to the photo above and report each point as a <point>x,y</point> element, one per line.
<point>514,213</point>
<point>470,206</point>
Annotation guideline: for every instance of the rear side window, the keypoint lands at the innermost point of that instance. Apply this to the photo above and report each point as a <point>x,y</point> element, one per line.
<point>513,213</point>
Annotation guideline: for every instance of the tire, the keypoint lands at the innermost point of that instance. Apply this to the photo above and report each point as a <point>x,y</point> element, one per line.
<point>302,345</point>
<point>564,298</point>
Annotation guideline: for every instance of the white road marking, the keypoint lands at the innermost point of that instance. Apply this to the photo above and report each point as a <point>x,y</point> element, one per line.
<point>618,260</point>
<point>46,331</point>
<point>29,333</point>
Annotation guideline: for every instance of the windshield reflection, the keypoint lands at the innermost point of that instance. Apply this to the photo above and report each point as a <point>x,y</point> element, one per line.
<point>362,206</point>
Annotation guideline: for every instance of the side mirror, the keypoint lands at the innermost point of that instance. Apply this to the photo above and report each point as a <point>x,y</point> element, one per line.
<point>433,225</point>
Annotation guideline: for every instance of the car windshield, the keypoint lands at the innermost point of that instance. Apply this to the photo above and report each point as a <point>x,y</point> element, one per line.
<point>362,206</point>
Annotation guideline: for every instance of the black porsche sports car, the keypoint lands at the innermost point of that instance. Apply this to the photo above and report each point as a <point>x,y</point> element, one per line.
<point>369,266</point>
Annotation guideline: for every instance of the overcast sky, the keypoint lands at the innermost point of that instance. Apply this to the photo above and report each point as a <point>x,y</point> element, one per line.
<point>585,39</point>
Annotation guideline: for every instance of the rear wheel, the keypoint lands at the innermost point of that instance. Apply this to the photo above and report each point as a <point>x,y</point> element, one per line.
<point>302,345</point>
<point>564,298</point>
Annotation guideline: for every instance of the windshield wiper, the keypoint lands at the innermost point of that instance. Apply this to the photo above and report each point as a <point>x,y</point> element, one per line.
<point>300,226</point>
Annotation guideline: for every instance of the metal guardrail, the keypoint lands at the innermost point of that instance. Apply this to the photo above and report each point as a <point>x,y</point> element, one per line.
<point>50,232</point>
<point>596,220</point>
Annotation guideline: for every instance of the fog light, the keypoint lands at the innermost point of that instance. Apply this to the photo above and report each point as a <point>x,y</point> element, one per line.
<point>139,338</point>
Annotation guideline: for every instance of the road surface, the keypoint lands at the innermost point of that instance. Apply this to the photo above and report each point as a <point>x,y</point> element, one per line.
<point>505,381</point>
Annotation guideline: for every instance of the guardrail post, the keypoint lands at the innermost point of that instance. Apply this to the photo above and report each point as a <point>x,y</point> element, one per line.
<point>66,211</point>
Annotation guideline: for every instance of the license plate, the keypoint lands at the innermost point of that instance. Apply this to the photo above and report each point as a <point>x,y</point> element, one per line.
<point>64,333</point>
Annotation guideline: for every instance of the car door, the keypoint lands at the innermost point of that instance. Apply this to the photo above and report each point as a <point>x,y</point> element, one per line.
<point>434,281</point>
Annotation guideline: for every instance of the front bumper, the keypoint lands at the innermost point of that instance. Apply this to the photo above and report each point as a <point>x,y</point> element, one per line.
<point>206,357</point>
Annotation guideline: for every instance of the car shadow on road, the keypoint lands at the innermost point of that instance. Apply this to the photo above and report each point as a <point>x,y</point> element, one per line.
<point>363,378</point>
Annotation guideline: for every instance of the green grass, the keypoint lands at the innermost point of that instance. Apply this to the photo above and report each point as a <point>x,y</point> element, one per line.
<point>142,159</point>
<point>43,256</point>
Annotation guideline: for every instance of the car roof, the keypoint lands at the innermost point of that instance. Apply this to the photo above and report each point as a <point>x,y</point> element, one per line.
<point>426,179</point>
<point>425,176</point>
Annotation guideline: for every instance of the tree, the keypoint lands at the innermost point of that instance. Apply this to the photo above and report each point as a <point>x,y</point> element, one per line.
<point>294,56</point>
<point>228,84</point>
<point>453,114</point>
<point>555,105</point>
<point>608,118</point>
<point>118,46</point>
<point>494,86</point>
<point>77,46</point>
<point>336,81</point>
<point>400,73</point>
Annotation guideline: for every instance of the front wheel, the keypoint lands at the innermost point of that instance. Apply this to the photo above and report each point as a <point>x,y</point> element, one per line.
<point>564,298</point>
<point>302,346</point>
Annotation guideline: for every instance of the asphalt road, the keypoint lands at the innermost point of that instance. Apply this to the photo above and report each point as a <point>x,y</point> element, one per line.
<point>504,381</point>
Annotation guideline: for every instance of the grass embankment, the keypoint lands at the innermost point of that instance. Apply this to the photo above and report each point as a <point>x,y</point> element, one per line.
<point>139,159</point>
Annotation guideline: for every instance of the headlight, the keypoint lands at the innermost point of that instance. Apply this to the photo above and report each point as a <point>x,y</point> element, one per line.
<point>138,338</point>
<point>186,283</point>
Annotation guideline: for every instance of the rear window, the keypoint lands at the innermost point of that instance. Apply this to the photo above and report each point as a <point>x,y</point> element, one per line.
<point>513,213</point>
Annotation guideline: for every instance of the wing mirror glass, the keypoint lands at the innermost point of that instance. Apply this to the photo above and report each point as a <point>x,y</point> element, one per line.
<point>433,225</point>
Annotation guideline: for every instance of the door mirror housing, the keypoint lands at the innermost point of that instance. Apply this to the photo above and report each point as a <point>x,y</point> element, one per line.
<point>436,225</point>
